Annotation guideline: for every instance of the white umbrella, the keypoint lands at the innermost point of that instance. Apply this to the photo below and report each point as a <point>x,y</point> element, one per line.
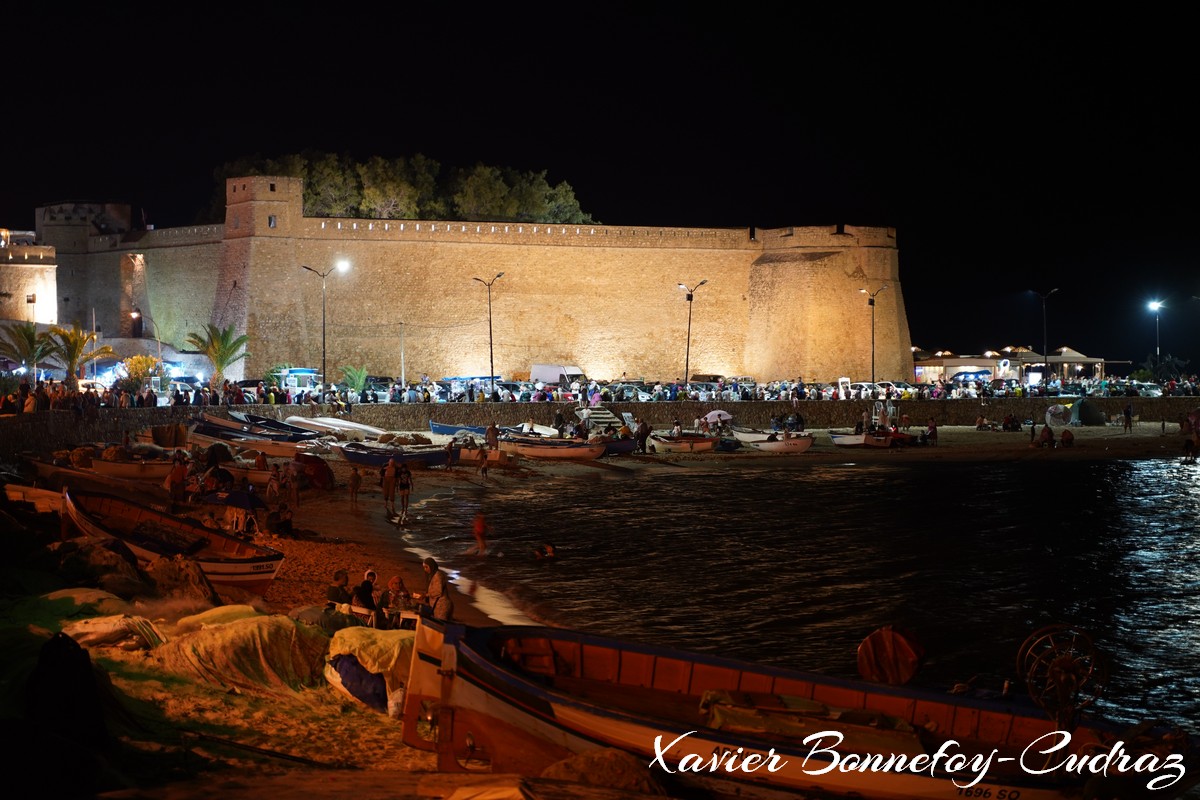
<point>717,416</point>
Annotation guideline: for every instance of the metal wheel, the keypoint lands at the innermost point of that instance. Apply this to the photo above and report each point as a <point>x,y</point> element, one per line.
<point>1063,670</point>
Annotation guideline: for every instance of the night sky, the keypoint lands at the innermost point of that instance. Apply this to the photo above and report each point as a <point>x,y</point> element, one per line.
<point>1013,152</point>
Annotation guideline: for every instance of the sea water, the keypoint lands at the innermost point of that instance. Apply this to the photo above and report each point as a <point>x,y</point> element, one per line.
<point>795,566</point>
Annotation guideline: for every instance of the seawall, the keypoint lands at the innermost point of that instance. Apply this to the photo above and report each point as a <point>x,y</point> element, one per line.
<point>45,431</point>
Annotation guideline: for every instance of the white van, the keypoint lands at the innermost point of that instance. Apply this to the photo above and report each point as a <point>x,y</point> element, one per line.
<point>556,374</point>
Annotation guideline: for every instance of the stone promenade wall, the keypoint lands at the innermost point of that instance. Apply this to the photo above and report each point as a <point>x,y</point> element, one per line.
<point>51,430</point>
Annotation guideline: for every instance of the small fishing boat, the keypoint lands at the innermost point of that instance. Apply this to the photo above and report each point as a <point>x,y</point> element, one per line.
<point>203,434</point>
<point>377,455</point>
<point>569,449</point>
<point>684,443</point>
<point>847,439</point>
<point>337,426</point>
<point>615,446</point>
<point>248,472</point>
<point>225,559</point>
<point>263,425</point>
<point>794,444</point>
<point>141,470</point>
<point>515,699</point>
<point>480,431</point>
<point>745,434</point>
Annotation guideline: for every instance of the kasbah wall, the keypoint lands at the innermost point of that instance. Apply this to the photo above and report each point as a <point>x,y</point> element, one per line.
<point>779,303</point>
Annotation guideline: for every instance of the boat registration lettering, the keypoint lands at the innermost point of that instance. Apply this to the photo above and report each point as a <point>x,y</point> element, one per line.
<point>987,793</point>
<point>261,567</point>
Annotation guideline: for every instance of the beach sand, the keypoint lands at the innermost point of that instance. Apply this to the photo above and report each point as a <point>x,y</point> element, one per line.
<point>334,533</point>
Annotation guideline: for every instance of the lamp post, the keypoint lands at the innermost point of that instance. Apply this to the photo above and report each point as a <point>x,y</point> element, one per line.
<point>1045,339</point>
<point>1155,306</point>
<point>137,314</point>
<point>491,351</point>
<point>341,266</point>
<point>687,355</point>
<point>871,303</point>
<point>403,382</point>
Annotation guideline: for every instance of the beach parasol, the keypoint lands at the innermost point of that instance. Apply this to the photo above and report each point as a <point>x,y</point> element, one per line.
<point>717,416</point>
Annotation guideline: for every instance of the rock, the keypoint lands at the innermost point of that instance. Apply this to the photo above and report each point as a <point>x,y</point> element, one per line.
<point>613,769</point>
<point>107,565</point>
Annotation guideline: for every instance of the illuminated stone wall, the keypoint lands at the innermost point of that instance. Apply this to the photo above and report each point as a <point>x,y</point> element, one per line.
<point>777,303</point>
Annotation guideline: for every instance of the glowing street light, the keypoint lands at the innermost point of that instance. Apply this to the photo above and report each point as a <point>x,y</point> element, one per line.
<point>871,303</point>
<point>491,351</point>
<point>1155,306</point>
<point>341,266</point>
<point>687,356</point>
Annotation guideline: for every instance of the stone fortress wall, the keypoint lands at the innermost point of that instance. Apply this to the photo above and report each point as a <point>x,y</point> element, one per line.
<point>778,303</point>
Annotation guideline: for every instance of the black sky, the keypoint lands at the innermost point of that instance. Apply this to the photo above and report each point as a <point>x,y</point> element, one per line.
<point>1011,151</point>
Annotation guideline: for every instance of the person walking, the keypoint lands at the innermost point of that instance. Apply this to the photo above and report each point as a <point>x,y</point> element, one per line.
<point>355,484</point>
<point>479,529</point>
<point>643,434</point>
<point>389,485</point>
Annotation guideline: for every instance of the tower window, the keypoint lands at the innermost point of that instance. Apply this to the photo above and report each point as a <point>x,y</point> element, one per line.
<point>272,187</point>
<point>271,221</point>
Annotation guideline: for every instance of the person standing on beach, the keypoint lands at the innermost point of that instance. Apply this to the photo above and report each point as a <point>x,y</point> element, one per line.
<point>482,457</point>
<point>643,434</point>
<point>355,484</point>
<point>438,602</point>
<point>492,437</point>
<point>404,485</point>
<point>389,486</point>
<point>1128,415</point>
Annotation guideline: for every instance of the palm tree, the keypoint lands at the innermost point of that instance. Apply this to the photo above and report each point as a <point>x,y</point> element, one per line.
<point>21,342</point>
<point>221,347</point>
<point>71,348</point>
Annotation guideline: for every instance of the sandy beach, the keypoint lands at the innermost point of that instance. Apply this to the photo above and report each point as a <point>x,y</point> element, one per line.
<point>335,746</point>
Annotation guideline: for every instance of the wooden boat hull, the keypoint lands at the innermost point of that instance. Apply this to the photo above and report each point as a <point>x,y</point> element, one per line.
<point>795,445</point>
<point>684,444</point>
<point>525,697</point>
<point>378,456</point>
<point>226,560</point>
<point>259,424</point>
<point>255,477</point>
<point>204,435</point>
<point>848,439</point>
<point>133,470</point>
<point>337,425</point>
<point>616,447</point>
<point>577,451</point>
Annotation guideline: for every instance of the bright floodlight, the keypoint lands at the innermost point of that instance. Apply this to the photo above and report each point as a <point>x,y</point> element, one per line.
<point>343,265</point>
<point>1155,305</point>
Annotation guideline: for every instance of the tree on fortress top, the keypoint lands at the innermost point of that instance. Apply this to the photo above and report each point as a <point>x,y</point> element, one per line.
<point>410,188</point>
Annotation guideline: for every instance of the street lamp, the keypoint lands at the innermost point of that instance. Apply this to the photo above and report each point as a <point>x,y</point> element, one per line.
<point>687,357</point>
<point>871,303</point>
<point>341,266</point>
<point>1155,305</point>
<point>137,314</point>
<point>491,351</point>
<point>1045,341</point>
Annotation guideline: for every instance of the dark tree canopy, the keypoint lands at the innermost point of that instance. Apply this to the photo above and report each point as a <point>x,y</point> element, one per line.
<point>410,188</point>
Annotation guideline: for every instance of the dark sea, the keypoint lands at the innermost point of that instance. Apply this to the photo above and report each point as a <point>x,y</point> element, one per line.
<point>795,566</point>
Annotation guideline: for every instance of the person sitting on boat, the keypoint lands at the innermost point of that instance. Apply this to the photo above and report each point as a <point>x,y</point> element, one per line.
<point>1067,439</point>
<point>676,429</point>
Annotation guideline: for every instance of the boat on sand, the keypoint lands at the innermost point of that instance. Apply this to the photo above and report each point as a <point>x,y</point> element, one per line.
<point>516,699</point>
<point>226,560</point>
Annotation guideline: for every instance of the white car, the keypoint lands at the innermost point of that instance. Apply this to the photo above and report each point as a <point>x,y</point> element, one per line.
<point>901,390</point>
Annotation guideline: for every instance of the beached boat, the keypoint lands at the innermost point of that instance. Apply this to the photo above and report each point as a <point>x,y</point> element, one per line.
<point>616,447</point>
<point>377,455</point>
<point>268,425</point>
<point>249,473</point>
<point>225,559</point>
<point>203,434</point>
<point>338,426</point>
<point>480,431</point>
<point>515,699</point>
<point>795,444</point>
<point>685,443</point>
<point>148,470</point>
<point>571,449</point>
<point>847,439</point>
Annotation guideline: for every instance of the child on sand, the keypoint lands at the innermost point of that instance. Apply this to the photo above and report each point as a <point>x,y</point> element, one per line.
<point>355,484</point>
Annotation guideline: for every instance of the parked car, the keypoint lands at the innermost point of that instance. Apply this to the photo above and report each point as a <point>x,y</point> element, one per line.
<point>902,390</point>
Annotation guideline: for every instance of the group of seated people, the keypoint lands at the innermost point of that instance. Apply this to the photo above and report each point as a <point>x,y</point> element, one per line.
<point>1046,438</point>
<point>379,609</point>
